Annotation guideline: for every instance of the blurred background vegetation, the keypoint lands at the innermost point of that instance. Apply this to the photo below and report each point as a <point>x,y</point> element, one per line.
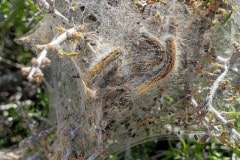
<point>24,106</point>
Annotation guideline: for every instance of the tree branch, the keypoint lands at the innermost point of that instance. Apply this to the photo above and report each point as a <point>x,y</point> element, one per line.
<point>215,86</point>
<point>51,8</point>
<point>34,72</point>
<point>227,65</point>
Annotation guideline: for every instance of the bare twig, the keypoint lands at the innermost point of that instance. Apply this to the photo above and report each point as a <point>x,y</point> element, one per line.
<point>235,70</point>
<point>225,60</point>
<point>34,72</point>
<point>51,8</point>
<point>219,117</point>
<point>215,86</point>
<point>227,65</point>
<point>32,19</point>
<point>221,59</point>
<point>235,133</point>
<point>234,58</point>
<point>44,3</point>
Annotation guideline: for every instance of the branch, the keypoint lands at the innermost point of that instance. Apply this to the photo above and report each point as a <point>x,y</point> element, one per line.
<point>235,70</point>
<point>225,60</point>
<point>228,124</point>
<point>225,122</point>
<point>219,117</point>
<point>227,65</point>
<point>34,72</point>
<point>215,86</point>
<point>51,8</point>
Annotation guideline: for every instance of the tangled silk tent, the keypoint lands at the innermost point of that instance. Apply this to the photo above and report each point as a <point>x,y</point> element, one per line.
<point>124,71</point>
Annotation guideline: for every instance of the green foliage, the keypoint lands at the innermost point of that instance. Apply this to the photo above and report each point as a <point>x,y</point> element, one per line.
<point>23,105</point>
<point>16,17</point>
<point>181,149</point>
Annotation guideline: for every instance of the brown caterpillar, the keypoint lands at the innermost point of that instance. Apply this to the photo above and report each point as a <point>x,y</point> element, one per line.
<point>169,62</point>
<point>97,68</point>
